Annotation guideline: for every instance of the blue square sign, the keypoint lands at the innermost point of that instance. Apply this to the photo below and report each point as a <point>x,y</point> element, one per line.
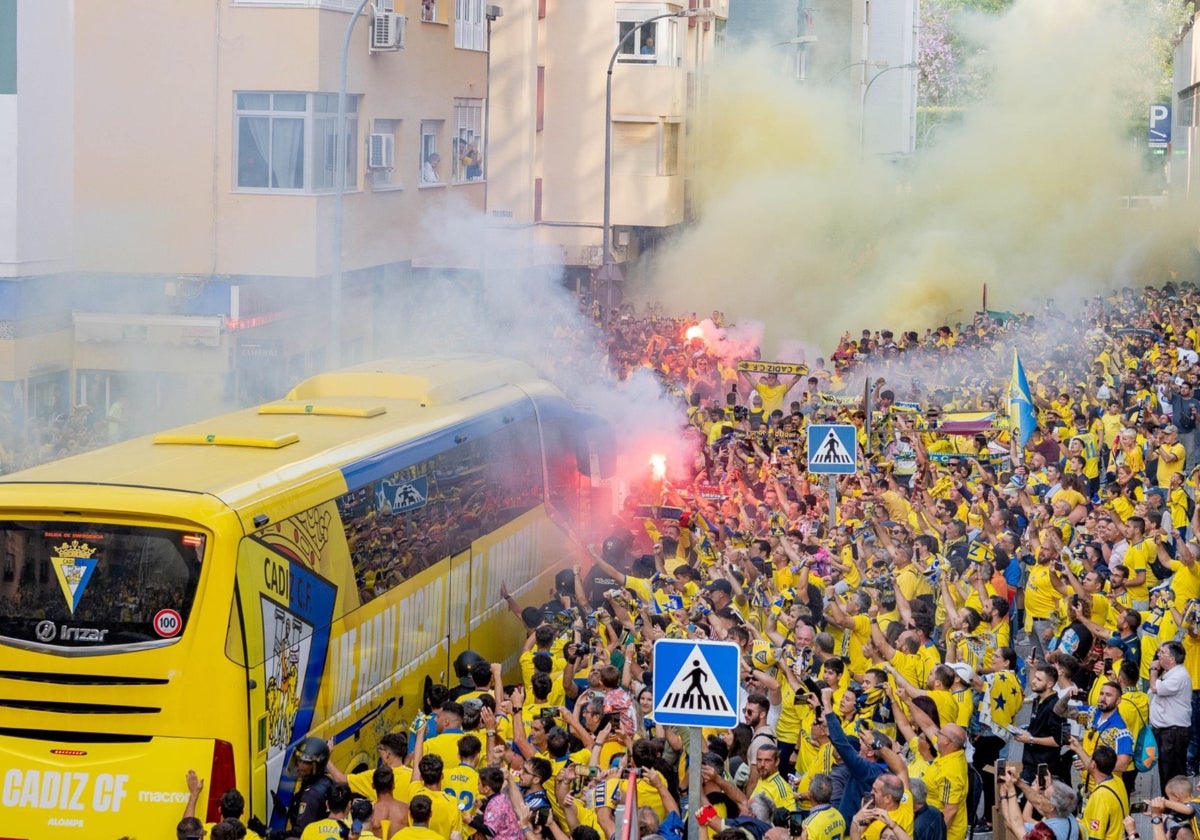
<point>832,449</point>
<point>696,683</point>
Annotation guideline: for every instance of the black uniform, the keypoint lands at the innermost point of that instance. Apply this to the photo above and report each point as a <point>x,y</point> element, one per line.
<point>309,804</point>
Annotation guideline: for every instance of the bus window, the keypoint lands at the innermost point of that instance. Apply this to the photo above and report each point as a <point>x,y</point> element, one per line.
<point>77,586</point>
<point>562,468</point>
<point>434,509</point>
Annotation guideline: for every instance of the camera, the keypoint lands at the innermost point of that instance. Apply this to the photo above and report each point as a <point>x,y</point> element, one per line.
<point>795,824</point>
<point>548,712</point>
<point>1139,807</point>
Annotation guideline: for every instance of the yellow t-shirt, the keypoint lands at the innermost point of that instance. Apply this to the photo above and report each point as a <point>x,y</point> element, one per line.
<point>362,783</point>
<point>557,692</point>
<point>462,782</point>
<point>947,705</point>
<point>902,816</point>
<point>775,788</point>
<point>772,396</point>
<point>446,816</point>
<point>852,644</point>
<point>1166,468</point>
<point>1105,811</point>
<point>1185,584</point>
<point>826,823</point>
<point>946,779</point>
<point>1041,598</point>
<point>1137,559</point>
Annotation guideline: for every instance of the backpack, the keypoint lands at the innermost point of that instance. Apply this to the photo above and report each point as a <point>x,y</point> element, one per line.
<point>1145,751</point>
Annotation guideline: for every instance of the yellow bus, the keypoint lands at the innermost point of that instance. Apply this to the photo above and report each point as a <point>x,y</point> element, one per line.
<point>207,597</point>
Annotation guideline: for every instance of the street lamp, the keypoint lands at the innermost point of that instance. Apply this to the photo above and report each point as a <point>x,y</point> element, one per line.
<point>610,275</point>
<point>862,123</point>
<point>339,202</point>
<point>863,63</point>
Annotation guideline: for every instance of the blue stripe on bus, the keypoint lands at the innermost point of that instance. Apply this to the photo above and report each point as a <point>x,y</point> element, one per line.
<point>384,463</point>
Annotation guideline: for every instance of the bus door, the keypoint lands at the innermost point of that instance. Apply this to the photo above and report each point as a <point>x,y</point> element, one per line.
<point>287,609</point>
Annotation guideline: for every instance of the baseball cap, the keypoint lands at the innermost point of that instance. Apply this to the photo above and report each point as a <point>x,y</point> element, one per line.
<point>720,585</point>
<point>963,670</point>
<point>1115,641</point>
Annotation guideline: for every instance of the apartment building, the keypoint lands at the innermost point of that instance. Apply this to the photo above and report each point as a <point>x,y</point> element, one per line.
<point>550,62</point>
<point>1182,166</point>
<point>168,225</point>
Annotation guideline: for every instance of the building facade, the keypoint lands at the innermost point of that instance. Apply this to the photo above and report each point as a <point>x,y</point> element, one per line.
<point>168,224</point>
<point>1183,168</point>
<point>549,63</point>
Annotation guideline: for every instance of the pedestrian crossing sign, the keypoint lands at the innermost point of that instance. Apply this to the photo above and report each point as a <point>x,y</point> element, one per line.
<point>696,683</point>
<point>832,449</point>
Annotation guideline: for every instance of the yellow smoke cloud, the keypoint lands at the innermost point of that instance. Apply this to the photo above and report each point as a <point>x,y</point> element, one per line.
<point>1023,195</point>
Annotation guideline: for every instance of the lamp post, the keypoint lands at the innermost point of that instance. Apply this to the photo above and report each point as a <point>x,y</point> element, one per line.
<point>339,202</point>
<point>609,275</point>
<point>863,63</point>
<point>862,123</point>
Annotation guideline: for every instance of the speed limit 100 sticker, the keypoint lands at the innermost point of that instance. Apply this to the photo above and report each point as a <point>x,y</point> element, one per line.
<point>167,623</point>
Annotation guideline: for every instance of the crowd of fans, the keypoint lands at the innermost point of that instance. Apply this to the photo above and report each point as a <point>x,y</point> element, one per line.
<point>881,692</point>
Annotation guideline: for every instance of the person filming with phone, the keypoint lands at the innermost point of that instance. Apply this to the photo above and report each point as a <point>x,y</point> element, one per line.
<point>1053,799</point>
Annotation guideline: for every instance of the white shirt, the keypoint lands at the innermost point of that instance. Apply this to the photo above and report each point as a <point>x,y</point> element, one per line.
<point>1171,699</point>
<point>1117,554</point>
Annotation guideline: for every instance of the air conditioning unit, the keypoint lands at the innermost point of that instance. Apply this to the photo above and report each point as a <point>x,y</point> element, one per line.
<point>387,31</point>
<point>381,151</point>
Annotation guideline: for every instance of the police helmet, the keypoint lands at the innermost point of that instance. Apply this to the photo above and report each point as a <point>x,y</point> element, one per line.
<point>314,750</point>
<point>615,547</point>
<point>463,663</point>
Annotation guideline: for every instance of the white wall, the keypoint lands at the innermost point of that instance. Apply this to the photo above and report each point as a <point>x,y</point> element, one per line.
<point>892,101</point>
<point>36,145</point>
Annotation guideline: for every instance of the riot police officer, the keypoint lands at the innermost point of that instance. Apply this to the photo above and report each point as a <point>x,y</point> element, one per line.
<point>309,803</point>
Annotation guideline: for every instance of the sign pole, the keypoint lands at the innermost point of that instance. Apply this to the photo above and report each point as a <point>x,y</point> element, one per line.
<point>695,754</point>
<point>831,491</point>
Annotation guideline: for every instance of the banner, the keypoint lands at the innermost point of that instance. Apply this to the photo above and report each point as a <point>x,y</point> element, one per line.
<point>786,368</point>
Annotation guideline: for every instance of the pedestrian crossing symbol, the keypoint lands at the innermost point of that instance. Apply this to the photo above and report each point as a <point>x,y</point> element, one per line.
<point>832,449</point>
<point>696,683</point>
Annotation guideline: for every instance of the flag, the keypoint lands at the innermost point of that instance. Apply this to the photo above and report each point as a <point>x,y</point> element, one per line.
<point>867,410</point>
<point>1021,416</point>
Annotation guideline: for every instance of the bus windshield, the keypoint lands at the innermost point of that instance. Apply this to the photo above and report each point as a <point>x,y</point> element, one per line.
<point>73,587</point>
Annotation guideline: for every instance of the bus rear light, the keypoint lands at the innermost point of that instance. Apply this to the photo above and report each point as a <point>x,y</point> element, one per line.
<point>192,540</point>
<point>68,752</point>
<point>222,777</point>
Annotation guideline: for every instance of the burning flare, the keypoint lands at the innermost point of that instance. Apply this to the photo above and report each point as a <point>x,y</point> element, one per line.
<point>694,331</point>
<point>658,467</point>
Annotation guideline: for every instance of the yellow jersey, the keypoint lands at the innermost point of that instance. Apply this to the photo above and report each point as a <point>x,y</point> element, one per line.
<point>1105,811</point>
<point>825,823</point>
<point>946,779</point>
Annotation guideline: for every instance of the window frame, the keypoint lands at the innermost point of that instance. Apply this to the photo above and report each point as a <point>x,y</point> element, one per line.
<point>388,181</point>
<point>317,112</point>
<point>430,128</point>
<point>470,25</point>
<point>468,126</point>
<point>665,33</point>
